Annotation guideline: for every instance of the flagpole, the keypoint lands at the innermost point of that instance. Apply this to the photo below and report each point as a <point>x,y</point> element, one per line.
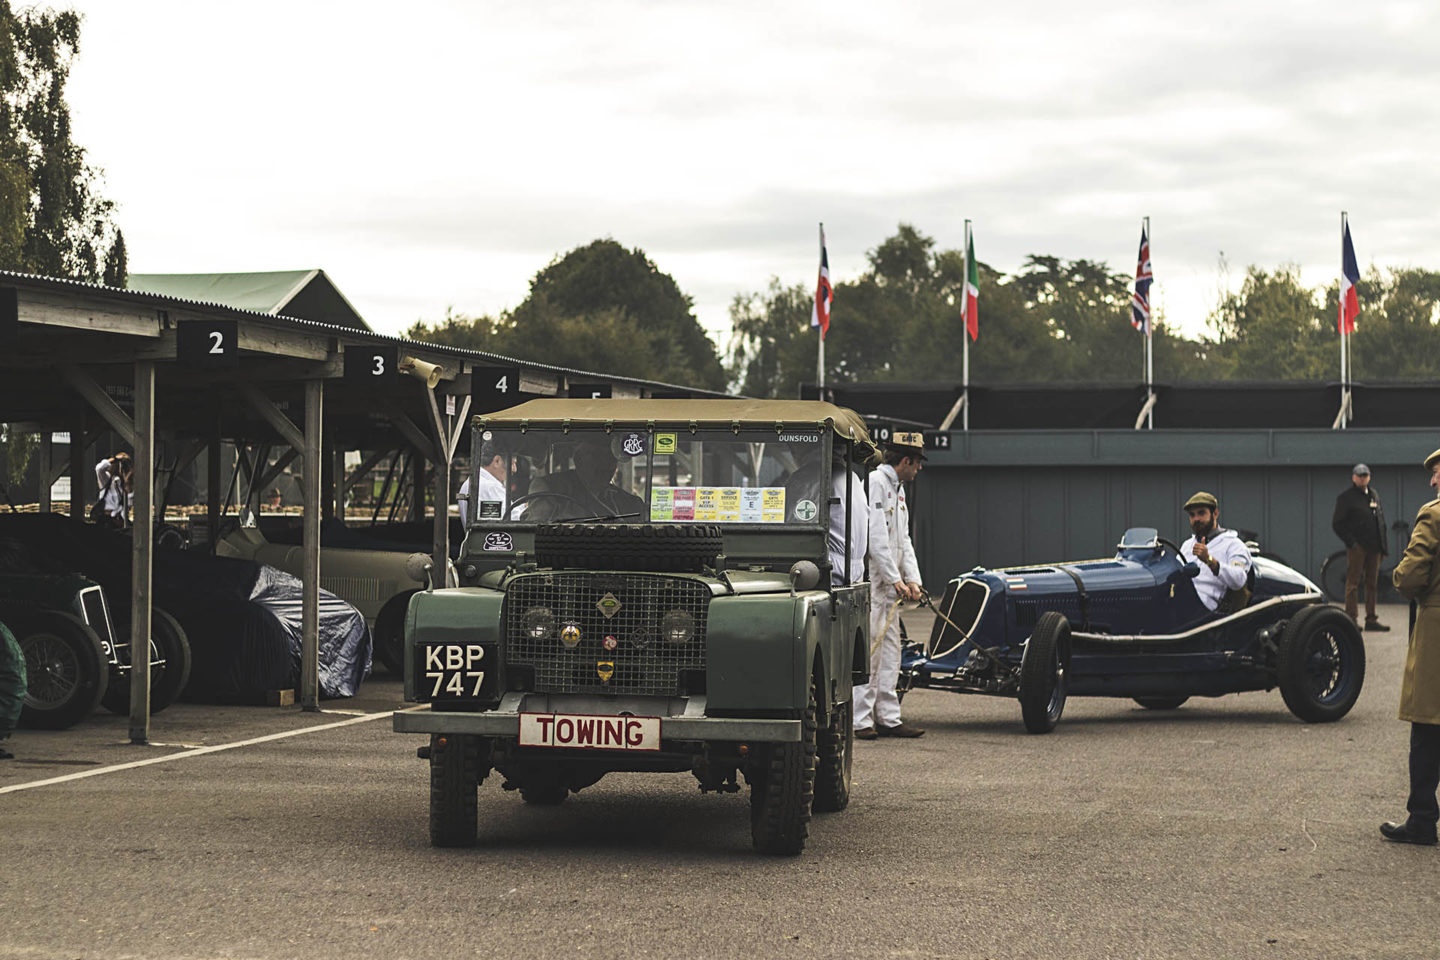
<point>1149,350</point>
<point>820,359</point>
<point>965,337</point>
<point>1344,339</point>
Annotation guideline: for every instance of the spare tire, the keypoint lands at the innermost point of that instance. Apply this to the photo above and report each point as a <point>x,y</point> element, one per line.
<point>670,547</point>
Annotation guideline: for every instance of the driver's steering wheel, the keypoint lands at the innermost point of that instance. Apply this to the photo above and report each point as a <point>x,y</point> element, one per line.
<point>519,501</point>
<point>1166,543</point>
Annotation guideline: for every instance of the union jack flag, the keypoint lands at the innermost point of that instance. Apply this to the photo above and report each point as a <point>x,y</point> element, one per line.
<point>1140,302</point>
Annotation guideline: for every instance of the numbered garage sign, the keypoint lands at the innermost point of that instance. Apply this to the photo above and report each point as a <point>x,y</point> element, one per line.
<point>591,391</point>
<point>494,388</point>
<point>937,439</point>
<point>372,365</point>
<point>208,345</point>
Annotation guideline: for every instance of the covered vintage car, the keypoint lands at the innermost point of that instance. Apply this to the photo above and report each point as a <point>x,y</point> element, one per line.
<point>1133,626</point>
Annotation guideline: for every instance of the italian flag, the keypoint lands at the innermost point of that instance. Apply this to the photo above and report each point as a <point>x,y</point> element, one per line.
<point>971,311</point>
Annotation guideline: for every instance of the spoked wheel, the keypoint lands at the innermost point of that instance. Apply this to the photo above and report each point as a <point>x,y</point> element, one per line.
<point>1160,703</point>
<point>1044,673</point>
<point>169,666</point>
<point>835,752</point>
<point>66,668</point>
<point>782,791</point>
<point>1321,664</point>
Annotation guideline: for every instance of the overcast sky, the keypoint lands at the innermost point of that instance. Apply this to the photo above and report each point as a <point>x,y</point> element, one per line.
<point>437,154</point>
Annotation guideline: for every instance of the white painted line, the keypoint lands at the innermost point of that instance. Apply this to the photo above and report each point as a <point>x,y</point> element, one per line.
<point>199,751</point>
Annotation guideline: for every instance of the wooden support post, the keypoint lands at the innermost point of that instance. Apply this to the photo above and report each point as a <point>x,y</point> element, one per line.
<point>141,539</point>
<point>47,450</point>
<point>79,471</point>
<point>417,486</point>
<point>212,485</point>
<point>310,603</point>
<point>338,484</point>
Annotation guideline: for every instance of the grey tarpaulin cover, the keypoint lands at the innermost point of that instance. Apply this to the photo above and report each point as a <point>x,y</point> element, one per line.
<point>344,637</point>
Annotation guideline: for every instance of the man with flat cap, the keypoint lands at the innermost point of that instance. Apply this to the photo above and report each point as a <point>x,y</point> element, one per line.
<point>1417,577</point>
<point>1222,556</point>
<point>1360,522</point>
<point>894,576</point>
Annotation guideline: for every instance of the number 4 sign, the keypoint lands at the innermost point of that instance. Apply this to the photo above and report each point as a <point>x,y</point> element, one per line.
<point>494,388</point>
<point>208,345</point>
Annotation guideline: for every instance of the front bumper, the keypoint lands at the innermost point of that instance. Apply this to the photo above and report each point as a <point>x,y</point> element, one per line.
<point>681,718</point>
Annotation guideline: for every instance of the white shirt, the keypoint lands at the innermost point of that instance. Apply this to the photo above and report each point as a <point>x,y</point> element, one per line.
<point>112,489</point>
<point>892,555</point>
<point>491,489</point>
<point>859,528</point>
<point>1227,549</point>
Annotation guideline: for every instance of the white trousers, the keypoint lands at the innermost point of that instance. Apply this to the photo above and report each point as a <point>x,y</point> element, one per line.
<point>876,702</point>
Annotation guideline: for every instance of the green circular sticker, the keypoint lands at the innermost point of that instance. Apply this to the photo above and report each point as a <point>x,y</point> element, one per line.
<point>805,511</point>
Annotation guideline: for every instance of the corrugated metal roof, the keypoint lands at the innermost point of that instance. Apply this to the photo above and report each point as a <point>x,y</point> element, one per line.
<point>137,296</point>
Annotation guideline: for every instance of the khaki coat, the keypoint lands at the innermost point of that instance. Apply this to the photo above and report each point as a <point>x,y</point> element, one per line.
<point>1417,577</point>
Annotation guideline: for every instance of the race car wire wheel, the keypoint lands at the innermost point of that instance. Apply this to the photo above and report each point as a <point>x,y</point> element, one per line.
<point>1321,664</point>
<point>1044,673</point>
<point>65,666</point>
<point>169,666</point>
<point>664,547</point>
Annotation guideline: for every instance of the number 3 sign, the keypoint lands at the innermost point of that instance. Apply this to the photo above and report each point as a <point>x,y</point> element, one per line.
<point>208,345</point>
<point>373,365</point>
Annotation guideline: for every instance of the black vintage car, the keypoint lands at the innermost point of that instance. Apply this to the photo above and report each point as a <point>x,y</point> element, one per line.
<point>1133,626</point>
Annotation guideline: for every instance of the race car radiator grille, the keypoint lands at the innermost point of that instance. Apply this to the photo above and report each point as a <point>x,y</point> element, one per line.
<point>606,633</point>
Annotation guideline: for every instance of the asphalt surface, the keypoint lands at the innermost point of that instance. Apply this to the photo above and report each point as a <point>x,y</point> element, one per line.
<point>1224,829</point>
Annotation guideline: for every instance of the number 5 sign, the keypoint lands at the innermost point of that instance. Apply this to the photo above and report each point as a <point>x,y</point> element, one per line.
<point>208,345</point>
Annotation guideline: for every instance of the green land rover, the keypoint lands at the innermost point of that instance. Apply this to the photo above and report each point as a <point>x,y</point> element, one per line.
<point>650,585</point>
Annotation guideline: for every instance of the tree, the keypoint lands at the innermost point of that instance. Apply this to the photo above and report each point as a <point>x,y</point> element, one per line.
<point>53,220</point>
<point>1396,336</point>
<point>772,345</point>
<point>1273,329</point>
<point>117,264</point>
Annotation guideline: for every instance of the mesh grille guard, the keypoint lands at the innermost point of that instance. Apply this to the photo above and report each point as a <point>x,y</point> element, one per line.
<point>643,661</point>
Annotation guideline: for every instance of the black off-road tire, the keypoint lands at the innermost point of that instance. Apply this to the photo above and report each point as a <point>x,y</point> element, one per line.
<point>1321,664</point>
<point>1160,703</point>
<point>167,679</point>
<point>389,634</point>
<point>66,669</point>
<point>667,547</point>
<point>835,757</point>
<point>1045,673</point>
<point>782,795</point>
<point>454,781</point>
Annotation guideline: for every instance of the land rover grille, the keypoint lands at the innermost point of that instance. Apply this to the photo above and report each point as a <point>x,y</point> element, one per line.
<point>607,633</point>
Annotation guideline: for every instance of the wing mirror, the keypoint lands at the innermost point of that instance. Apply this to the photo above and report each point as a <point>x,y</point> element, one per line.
<point>418,567</point>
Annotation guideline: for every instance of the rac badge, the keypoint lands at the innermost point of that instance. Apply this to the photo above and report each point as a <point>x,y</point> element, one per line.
<point>570,636</point>
<point>606,670</point>
<point>608,605</point>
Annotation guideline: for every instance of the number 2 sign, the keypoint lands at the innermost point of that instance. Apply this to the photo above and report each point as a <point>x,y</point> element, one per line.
<point>208,345</point>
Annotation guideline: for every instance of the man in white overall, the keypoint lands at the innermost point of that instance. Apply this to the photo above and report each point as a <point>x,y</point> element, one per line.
<point>894,576</point>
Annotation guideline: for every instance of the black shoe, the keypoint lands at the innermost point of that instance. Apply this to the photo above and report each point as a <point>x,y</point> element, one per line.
<point>6,754</point>
<point>866,733</point>
<point>1375,626</point>
<point>1408,832</point>
<point>909,731</point>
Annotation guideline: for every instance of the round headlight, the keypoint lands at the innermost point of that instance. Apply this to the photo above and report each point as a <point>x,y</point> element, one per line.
<point>538,623</point>
<point>677,626</point>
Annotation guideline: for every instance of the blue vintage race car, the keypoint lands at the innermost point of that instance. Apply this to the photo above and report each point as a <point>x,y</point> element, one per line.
<point>1135,627</point>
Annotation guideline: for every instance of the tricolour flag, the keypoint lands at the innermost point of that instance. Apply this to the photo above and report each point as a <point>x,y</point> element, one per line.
<point>972,290</point>
<point>1349,276</point>
<point>820,312</point>
<point>1140,302</point>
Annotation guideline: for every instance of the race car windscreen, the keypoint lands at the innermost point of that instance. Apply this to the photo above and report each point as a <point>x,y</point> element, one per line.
<point>632,476</point>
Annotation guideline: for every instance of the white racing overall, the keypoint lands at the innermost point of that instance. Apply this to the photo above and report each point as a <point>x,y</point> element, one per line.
<point>892,559</point>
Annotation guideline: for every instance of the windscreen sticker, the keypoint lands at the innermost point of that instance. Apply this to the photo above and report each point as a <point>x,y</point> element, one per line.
<point>633,444</point>
<point>490,509</point>
<point>666,443</point>
<point>805,510</point>
<point>718,504</point>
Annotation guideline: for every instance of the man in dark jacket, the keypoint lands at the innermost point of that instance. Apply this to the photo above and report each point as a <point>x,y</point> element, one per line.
<point>1360,522</point>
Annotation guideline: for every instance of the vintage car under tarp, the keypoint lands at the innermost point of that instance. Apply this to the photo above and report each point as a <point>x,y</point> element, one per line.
<point>1133,626</point>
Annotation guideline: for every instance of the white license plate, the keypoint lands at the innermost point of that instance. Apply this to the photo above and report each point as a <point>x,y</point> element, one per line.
<point>586,732</point>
